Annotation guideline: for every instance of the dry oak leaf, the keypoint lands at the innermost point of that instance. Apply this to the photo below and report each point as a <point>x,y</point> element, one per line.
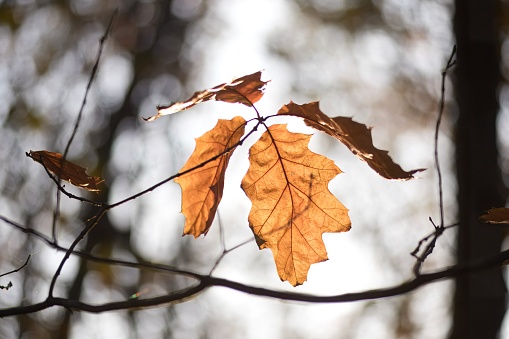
<point>202,187</point>
<point>66,170</point>
<point>244,90</point>
<point>499,215</point>
<point>356,136</point>
<point>291,203</point>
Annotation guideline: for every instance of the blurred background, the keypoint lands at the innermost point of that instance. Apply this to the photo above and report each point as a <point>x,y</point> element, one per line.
<point>379,61</point>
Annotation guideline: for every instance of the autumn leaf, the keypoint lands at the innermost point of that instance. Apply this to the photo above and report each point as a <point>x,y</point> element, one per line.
<point>202,188</point>
<point>66,170</point>
<point>499,215</point>
<point>356,136</point>
<point>291,204</point>
<point>245,90</point>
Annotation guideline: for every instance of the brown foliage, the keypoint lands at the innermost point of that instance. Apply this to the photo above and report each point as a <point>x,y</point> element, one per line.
<point>245,90</point>
<point>292,206</point>
<point>202,188</point>
<point>356,136</point>
<point>66,170</point>
<point>287,183</point>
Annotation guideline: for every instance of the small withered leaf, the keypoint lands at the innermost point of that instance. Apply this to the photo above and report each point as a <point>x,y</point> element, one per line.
<point>66,170</point>
<point>245,90</point>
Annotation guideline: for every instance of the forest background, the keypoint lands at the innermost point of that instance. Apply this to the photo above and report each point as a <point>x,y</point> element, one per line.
<point>378,61</point>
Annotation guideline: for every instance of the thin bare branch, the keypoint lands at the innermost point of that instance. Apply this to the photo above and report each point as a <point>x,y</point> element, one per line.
<point>208,281</point>
<point>17,269</point>
<point>439,230</point>
<point>151,188</point>
<point>95,220</point>
<point>93,74</point>
<point>450,63</point>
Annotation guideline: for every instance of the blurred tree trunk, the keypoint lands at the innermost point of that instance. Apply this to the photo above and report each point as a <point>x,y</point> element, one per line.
<point>480,298</point>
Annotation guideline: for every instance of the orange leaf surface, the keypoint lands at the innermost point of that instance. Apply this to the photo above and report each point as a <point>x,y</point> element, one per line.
<point>291,204</point>
<point>66,170</point>
<point>498,215</point>
<point>244,90</point>
<point>356,136</point>
<point>202,188</point>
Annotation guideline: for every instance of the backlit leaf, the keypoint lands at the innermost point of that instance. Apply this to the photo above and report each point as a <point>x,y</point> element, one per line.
<point>66,170</point>
<point>291,203</point>
<point>245,90</point>
<point>356,136</point>
<point>202,188</point>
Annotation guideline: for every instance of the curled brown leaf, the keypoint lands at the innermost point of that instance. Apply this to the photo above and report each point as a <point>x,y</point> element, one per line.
<point>66,170</point>
<point>356,136</point>
<point>202,188</point>
<point>245,90</point>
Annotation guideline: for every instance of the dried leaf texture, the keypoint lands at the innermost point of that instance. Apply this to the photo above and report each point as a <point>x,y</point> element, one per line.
<point>245,90</point>
<point>202,188</point>
<point>356,136</point>
<point>291,204</point>
<point>66,170</point>
<point>499,215</point>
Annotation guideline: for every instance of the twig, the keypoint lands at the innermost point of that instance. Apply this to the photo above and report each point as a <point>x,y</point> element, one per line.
<point>153,187</point>
<point>429,248</point>
<point>96,219</point>
<point>91,257</point>
<point>6,287</point>
<point>17,269</point>
<point>9,284</point>
<point>62,189</point>
<point>451,62</point>
<point>93,74</point>
<point>439,230</point>
<point>426,238</point>
<point>226,251</point>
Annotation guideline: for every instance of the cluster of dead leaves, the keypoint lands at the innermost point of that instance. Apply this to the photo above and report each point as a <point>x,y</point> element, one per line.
<point>287,183</point>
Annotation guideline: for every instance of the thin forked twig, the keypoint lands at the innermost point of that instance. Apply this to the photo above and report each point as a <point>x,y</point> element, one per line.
<point>439,230</point>
<point>9,284</point>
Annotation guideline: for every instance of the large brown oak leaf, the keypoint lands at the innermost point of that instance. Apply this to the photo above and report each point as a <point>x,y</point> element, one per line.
<point>291,203</point>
